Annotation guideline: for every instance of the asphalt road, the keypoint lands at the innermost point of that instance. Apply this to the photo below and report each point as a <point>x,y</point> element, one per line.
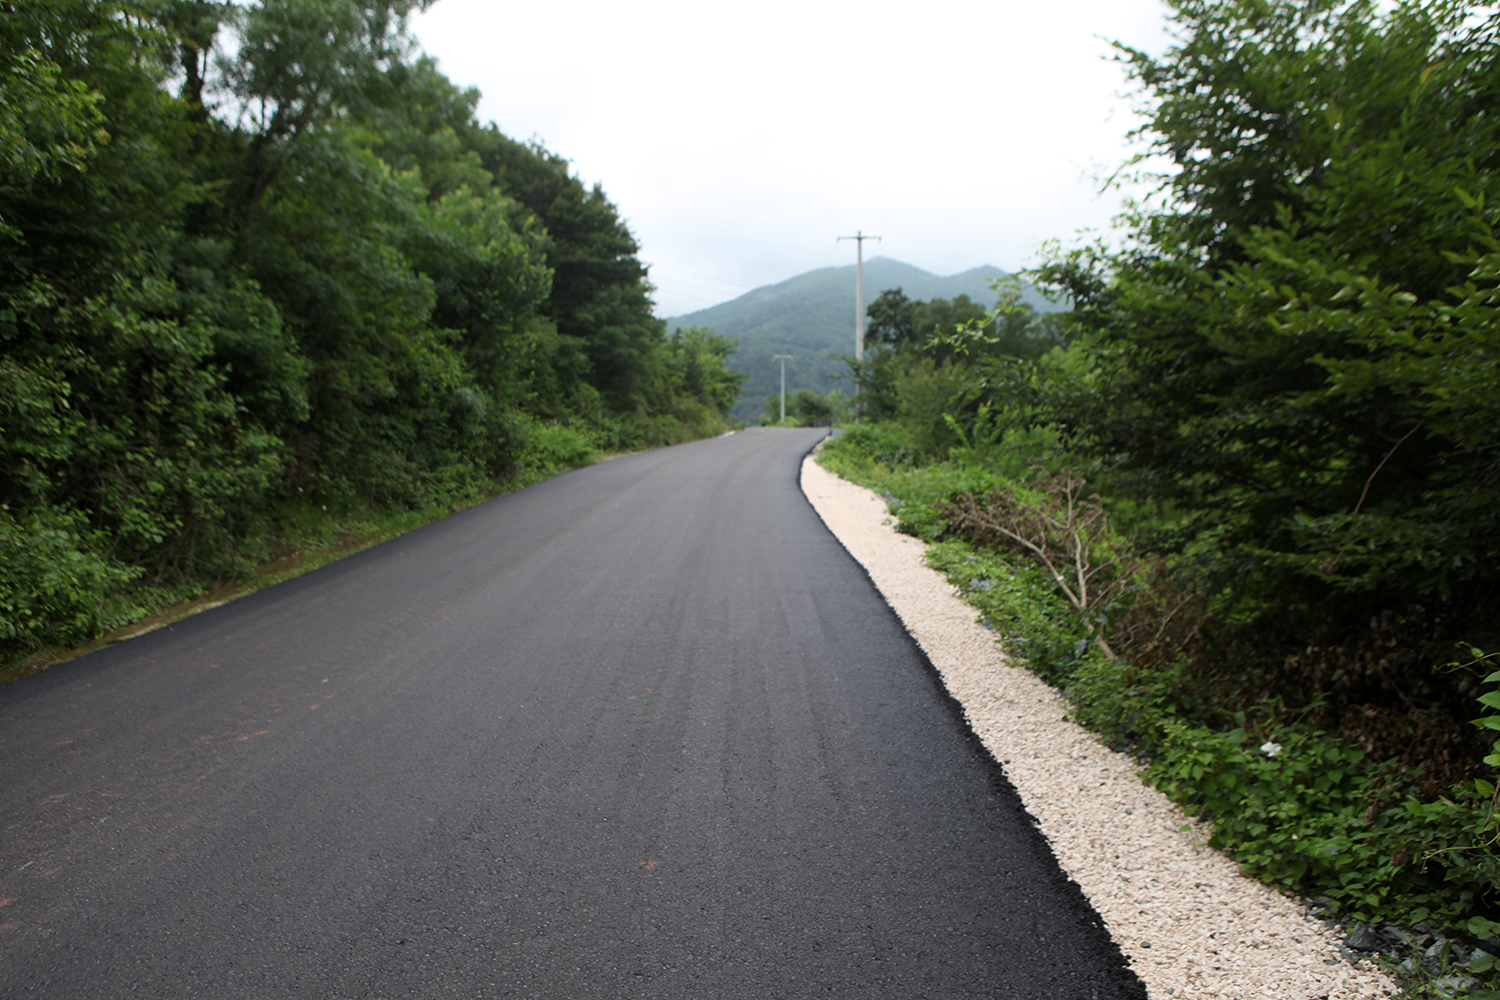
<point>644,730</point>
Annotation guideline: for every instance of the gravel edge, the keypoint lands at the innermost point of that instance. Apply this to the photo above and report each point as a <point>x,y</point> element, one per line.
<point>1188,922</point>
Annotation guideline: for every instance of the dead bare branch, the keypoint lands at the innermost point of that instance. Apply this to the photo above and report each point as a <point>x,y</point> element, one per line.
<point>1065,531</point>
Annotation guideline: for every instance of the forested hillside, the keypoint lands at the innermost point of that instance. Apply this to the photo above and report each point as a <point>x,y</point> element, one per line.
<point>1246,510</point>
<point>260,265</point>
<point>811,317</point>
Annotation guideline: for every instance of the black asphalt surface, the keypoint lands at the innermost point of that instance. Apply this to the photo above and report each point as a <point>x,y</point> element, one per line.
<point>644,730</point>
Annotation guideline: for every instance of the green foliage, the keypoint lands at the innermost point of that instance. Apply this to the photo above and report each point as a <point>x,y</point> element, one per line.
<point>55,587</point>
<point>554,448</point>
<point>925,393</point>
<point>1293,353</point>
<point>881,457</point>
<point>923,359</point>
<point>1309,812</point>
<point>46,124</point>
<point>259,258</point>
<point>1290,368</point>
<point>693,383</point>
<point>862,451</point>
<point>805,408</point>
<point>895,321</point>
<point>1490,700</point>
<point>599,299</point>
<point>1009,449</point>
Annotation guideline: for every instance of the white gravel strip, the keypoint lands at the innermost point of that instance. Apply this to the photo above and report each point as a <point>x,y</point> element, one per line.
<point>1188,921</point>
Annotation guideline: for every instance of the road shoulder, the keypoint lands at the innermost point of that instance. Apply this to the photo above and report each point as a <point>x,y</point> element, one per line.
<point>1190,924</point>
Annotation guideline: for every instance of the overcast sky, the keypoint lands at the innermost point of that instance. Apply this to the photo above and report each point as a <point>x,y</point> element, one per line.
<point>740,140</point>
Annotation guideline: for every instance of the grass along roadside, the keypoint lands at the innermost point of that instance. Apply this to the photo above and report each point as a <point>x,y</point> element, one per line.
<point>310,537</point>
<point>294,563</point>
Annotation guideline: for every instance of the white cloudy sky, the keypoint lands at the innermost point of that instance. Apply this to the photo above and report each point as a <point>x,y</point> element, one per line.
<point>740,140</point>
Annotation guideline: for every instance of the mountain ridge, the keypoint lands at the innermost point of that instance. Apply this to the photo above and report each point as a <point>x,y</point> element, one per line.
<point>811,317</point>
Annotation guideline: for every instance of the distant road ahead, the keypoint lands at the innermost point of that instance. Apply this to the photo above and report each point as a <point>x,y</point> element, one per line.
<point>641,731</point>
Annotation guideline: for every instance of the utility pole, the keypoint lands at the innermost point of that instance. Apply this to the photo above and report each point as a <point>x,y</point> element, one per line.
<point>859,290</point>
<point>783,358</point>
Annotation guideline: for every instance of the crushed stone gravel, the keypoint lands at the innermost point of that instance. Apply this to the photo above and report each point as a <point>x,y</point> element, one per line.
<point>1189,923</point>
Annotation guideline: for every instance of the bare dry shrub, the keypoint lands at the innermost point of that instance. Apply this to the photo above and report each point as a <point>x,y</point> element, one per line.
<point>1165,617</point>
<point>1134,607</point>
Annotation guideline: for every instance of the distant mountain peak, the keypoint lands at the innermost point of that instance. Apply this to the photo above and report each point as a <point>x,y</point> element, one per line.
<point>811,317</point>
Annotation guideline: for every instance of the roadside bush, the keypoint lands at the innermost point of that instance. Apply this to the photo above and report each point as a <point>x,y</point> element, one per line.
<point>925,394</point>
<point>456,486</point>
<point>54,588</point>
<point>1311,812</point>
<point>553,448</point>
<point>872,446</point>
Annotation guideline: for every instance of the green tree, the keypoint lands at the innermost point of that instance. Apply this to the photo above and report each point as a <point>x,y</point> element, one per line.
<point>114,406</point>
<point>890,320</point>
<point>301,64</point>
<point>695,356</point>
<point>260,256</point>
<point>47,124</point>
<point>929,361</point>
<point>600,299</point>
<point>804,407</point>
<point>1290,356</point>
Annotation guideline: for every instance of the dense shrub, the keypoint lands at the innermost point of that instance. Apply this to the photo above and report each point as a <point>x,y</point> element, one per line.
<point>55,588</point>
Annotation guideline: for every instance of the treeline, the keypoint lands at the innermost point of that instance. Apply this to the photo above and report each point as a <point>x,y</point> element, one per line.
<point>922,357</point>
<point>1256,469</point>
<point>917,363</point>
<point>1295,367</point>
<point>261,259</point>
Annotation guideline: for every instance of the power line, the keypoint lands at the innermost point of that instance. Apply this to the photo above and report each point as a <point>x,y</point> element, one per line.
<point>700,277</point>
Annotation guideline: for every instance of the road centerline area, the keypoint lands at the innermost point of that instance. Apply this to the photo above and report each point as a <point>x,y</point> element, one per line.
<point>644,730</point>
